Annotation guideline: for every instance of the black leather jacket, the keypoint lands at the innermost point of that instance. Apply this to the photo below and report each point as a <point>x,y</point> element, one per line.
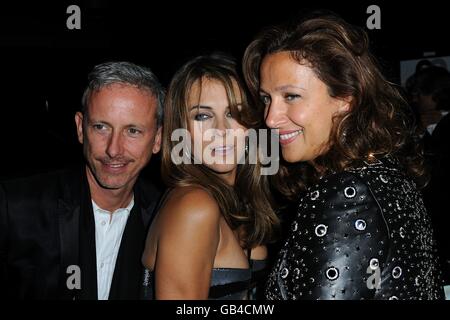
<point>359,234</point>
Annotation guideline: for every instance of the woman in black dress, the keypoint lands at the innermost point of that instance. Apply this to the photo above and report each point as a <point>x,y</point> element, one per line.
<point>360,229</point>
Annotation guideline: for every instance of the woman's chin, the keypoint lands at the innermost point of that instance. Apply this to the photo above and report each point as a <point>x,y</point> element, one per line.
<point>222,168</point>
<point>292,157</point>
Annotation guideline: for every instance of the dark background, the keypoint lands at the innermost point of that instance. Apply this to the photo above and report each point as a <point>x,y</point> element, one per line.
<point>44,65</point>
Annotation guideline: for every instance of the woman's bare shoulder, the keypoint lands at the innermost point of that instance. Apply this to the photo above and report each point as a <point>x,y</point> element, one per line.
<point>259,253</point>
<point>190,205</point>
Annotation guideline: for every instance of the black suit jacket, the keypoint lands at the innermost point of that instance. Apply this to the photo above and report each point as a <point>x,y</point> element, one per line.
<point>438,190</point>
<point>47,225</point>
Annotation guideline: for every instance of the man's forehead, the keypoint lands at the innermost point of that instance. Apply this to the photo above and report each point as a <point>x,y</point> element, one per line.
<point>119,87</point>
<point>116,95</point>
<point>123,112</point>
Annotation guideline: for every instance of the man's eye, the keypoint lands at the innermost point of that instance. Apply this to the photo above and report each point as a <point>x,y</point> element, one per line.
<point>99,127</point>
<point>201,117</point>
<point>134,131</point>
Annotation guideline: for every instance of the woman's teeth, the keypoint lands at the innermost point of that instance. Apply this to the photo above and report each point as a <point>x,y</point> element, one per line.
<point>290,135</point>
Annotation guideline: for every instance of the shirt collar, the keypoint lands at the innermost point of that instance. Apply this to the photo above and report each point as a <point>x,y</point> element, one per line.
<point>128,208</point>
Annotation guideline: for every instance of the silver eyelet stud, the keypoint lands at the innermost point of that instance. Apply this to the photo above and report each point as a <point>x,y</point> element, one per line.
<point>332,273</point>
<point>350,192</point>
<point>393,298</point>
<point>315,195</point>
<point>321,230</point>
<point>360,225</point>
<point>402,232</point>
<point>383,178</point>
<point>416,281</point>
<point>397,272</point>
<point>406,187</point>
<point>294,226</point>
<point>374,264</point>
<point>284,273</point>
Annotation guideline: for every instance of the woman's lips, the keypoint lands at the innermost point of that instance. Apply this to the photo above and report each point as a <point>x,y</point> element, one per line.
<point>287,136</point>
<point>222,150</point>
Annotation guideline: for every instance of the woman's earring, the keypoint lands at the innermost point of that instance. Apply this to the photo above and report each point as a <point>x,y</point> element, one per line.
<point>246,145</point>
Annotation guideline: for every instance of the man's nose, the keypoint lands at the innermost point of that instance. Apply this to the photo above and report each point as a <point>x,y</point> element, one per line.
<point>115,145</point>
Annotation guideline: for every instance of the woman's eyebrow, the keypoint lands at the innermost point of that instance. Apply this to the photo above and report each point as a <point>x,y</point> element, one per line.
<point>200,107</point>
<point>288,86</point>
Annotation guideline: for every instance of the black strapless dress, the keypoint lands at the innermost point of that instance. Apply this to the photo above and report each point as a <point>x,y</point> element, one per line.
<point>226,283</point>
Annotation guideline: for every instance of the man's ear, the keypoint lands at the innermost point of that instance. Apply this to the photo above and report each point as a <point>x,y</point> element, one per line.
<point>158,140</point>
<point>79,125</point>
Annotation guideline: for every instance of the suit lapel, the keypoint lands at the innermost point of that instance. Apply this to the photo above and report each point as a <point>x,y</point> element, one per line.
<point>68,219</point>
<point>128,272</point>
<point>77,235</point>
<point>149,197</point>
<point>88,254</point>
<point>68,212</point>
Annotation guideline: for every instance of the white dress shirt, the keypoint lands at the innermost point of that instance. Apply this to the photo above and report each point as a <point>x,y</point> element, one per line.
<point>109,229</point>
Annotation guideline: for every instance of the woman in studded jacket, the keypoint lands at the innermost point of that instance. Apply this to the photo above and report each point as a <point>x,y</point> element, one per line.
<point>360,229</point>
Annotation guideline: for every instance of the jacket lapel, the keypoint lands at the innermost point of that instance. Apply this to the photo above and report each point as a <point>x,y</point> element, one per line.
<point>68,212</point>
<point>77,237</point>
<point>128,272</point>
<point>88,254</point>
<point>68,219</point>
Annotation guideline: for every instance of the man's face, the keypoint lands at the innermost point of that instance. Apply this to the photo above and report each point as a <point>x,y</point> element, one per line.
<point>119,135</point>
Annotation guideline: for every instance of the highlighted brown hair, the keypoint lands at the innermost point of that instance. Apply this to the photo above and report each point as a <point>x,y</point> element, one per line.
<point>246,206</point>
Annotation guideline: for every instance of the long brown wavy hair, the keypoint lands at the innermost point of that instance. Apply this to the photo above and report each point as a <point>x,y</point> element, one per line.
<point>246,206</point>
<point>378,122</point>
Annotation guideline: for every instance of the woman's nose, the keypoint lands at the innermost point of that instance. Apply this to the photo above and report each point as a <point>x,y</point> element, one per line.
<point>274,115</point>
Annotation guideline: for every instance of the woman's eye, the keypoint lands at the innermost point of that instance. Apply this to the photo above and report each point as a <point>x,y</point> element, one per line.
<point>291,97</point>
<point>229,115</point>
<point>265,99</point>
<point>201,117</point>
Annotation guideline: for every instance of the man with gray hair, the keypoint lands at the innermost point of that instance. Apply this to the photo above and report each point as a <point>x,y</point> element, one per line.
<point>80,234</point>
